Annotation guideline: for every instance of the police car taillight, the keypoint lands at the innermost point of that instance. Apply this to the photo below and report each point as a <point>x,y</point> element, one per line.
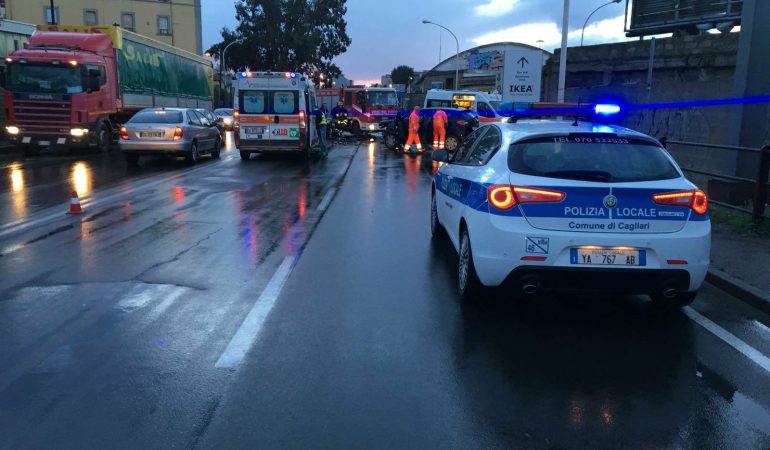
<point>505,197</point>
<point>696,200</point>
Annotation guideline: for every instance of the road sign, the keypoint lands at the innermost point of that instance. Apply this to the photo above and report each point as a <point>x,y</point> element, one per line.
<point>521,75</point>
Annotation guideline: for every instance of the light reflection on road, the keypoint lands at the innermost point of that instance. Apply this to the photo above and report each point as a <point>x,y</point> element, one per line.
<point>81,178</point>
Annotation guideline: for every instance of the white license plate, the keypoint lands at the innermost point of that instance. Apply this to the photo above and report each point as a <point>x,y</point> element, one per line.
<point>44,143</point>
<point>151,134</point>
<point>608,257</point>
<point>254,130</point>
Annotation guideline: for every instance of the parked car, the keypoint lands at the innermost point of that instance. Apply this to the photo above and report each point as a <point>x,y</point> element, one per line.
<point>214,119</point>
<point>226,114</point>
<point>169,131</point>
<point>461,123</point>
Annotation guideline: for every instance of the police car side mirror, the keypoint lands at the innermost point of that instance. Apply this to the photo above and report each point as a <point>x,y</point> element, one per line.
<point>440,156</point>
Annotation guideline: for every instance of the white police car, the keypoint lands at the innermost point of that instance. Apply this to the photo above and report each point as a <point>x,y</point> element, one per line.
<point>557,205</point>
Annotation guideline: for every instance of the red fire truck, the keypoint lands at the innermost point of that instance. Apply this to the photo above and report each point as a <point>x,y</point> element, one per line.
<point>367,107</point>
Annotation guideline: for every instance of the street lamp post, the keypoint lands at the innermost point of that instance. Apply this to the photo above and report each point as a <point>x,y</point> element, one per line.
<point>582,35</point>
<point>222,65</point>
<point>457,55</point>
<point>563,53</point>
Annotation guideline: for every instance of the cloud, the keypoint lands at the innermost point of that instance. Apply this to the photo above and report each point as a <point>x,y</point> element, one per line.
<point>495,7</point>
<point>604,31</point>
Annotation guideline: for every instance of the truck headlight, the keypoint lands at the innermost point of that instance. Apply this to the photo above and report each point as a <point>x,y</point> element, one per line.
<point>78,132</point>
<point>372,126</point>
<point>12,130</point>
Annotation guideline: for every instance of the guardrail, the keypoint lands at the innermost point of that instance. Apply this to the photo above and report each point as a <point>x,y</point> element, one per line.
<point>760,183</point>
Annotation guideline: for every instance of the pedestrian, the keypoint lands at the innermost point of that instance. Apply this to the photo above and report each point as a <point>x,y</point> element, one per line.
<point>322,123</point>
<point>440,121</point>
<point>339,119</point>
<point>414,131</point>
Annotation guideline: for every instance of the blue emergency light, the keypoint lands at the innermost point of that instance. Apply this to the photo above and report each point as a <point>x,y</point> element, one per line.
<point>606,109</point>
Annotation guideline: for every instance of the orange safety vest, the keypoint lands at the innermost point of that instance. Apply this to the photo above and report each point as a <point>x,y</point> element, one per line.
<point>414,122</point>
<point>440,118</point>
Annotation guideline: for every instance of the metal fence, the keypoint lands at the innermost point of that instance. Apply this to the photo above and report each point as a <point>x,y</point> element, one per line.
<point>759,184</point>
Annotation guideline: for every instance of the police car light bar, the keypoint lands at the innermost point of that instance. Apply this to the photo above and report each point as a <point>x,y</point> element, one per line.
<point>606,109</point>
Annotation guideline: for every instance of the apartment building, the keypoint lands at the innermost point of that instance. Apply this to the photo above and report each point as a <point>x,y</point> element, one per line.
<point>175,22</point>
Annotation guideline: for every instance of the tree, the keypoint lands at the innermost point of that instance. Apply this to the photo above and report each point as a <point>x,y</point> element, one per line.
<point>288,35</point>
<point>402,75</point>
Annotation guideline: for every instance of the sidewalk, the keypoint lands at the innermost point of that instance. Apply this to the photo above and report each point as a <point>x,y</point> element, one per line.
<point>740,265</point>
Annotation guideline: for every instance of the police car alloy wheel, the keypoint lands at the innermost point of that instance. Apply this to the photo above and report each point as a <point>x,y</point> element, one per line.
<point>468,280</point>
<point>434,225</point>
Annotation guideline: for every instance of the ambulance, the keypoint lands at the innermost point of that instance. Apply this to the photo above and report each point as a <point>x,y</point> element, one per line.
<point>274,111</point>
<point>484,104</point>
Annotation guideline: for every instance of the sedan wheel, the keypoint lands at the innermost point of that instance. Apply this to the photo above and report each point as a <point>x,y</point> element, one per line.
<point>217,149</point>
<point>192,155</point>
<point>390,141</point>
<point>451,143</point>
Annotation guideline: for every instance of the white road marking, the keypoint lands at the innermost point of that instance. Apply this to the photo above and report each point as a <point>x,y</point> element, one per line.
<point>249,330</point>
<point>158,310</point>
<point>729,338</point>
<point>326,200</point>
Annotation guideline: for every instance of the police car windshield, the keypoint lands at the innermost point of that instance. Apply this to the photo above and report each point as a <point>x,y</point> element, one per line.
<point>603,159</point>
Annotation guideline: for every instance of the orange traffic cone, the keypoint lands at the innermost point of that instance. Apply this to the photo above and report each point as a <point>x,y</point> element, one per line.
<point>75,204</point>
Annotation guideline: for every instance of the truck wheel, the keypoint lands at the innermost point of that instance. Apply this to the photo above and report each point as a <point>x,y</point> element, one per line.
<point>192,155</point>
<point>103,138</point>
<point>245,155</point>
<point>132,160</point>
<point>390,141</point>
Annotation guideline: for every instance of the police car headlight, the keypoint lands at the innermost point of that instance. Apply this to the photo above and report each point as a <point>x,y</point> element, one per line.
<point>78,132</point>
<point>12,130</point>
<point>372,126</point>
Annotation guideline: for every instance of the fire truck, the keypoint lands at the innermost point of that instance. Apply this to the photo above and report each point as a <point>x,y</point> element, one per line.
<point>368,107</point>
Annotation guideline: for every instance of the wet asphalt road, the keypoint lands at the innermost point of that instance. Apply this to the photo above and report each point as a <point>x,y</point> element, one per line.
<point>285,304</point>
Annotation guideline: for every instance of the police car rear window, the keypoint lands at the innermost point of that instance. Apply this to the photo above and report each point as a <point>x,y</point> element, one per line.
<point>605,159</point>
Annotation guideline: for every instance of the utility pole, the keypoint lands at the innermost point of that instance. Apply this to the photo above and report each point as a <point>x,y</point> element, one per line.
<point>563,54</point>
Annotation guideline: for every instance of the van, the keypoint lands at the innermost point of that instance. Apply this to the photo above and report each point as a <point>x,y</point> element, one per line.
<point>274,112</point>
<point>485,104</point>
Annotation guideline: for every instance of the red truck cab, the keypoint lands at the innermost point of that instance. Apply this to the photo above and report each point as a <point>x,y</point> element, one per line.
<point>61,91</point>
<point>368,107</point>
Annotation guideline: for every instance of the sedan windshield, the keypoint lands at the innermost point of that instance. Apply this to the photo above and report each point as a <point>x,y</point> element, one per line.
<point>45,78</point>
<point>157,116</point>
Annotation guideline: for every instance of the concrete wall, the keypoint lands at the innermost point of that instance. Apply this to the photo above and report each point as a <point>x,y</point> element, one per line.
<point>184,16</point>
<point>685,69</point>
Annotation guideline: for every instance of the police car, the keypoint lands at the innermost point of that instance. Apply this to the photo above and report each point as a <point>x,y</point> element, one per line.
<point>550,205</point>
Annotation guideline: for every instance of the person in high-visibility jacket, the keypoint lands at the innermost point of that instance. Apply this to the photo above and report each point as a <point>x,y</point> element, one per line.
<point>414,131</point>
<point>440,121</point>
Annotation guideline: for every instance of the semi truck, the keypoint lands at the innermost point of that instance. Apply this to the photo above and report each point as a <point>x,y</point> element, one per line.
<point>73,86</point>
<point>368,107</point>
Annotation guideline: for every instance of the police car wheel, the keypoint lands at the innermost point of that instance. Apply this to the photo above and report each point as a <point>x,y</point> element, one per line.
<point>435,226</point>
<point>681,300</point>
<point>468,280</point>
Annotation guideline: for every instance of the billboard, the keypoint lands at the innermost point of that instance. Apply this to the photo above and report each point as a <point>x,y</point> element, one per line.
<point>522,74</point>
<point>646,17</point>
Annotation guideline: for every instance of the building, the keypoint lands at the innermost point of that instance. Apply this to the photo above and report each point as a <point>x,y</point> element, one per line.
<point>480,68</point>
<point>386,80</point>
<point>176,22</point>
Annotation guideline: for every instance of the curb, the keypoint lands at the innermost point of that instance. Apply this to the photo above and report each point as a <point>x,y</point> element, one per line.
<point>740,289</point>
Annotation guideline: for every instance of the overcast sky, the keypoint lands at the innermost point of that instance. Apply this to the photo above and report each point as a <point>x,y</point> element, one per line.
<point>387,33</point>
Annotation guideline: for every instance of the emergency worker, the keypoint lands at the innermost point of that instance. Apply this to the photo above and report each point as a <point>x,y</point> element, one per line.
<point>440,121</point>
<point>321,117</point>
<point>414,131</point>
<point>339,119</point>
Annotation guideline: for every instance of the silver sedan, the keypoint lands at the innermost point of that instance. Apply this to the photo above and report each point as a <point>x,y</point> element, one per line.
<point>169,131</point>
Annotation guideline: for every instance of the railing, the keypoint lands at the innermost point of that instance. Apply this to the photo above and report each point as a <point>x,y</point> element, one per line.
<point>760,183</point>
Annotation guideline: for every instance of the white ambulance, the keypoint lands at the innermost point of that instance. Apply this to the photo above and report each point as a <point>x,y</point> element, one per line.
<point>274,111</point>
<point>484,104</point>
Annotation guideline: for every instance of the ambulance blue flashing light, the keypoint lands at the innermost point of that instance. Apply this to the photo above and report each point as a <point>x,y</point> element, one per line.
<point>606,109</point>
